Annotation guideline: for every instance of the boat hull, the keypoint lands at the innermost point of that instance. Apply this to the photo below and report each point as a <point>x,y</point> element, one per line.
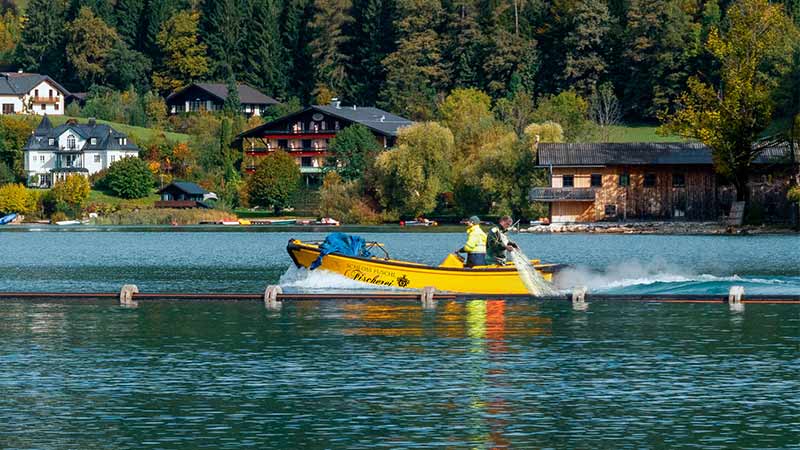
<point>399,274</point>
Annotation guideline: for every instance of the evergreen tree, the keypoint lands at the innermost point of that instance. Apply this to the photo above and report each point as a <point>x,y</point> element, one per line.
<point>373,38</point>
<point>223,32</point>
<point>128,17</point>
<point>155,14</point>
<point>415,72</point>
<point>586,62</point>
<point>464,44</point>
<point>661,42</point>
<point>232,105</point>
<point>295,36</point>
<point>264,55</point>
<point>328,46</point>
<point>41,48</point>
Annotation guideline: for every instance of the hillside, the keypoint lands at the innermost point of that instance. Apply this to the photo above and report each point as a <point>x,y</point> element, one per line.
<point>639,133</point>
<point>137,134</point>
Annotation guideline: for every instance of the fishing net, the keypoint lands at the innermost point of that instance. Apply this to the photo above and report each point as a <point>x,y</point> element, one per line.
<point>531,278</point>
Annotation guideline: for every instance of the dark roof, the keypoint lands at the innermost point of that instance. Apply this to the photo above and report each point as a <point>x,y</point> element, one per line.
<point>107,137</point>
<point>376,119</point>
<point>247,93</point>
<point>16,83</point>
<point>187,187</point>
<point>610,154</point>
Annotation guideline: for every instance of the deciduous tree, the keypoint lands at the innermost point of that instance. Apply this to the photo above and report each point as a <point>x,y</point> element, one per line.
<point>15,198</point>
<point>184,58</point>
<point>130,178</point>
<point>353,151</point>
<point>274,182</point>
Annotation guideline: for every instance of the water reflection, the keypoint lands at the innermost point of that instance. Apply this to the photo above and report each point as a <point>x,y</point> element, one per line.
<point>482,374</point>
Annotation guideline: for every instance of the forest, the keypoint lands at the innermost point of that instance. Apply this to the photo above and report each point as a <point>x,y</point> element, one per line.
<point>402,55</point>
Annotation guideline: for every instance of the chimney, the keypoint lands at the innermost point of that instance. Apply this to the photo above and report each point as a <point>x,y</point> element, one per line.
<point>336,103</point>
<point>92,121</point>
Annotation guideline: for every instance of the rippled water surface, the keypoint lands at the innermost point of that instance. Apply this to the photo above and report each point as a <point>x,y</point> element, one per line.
<point>476,374</point>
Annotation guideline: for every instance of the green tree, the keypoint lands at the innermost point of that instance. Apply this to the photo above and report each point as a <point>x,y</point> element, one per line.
<point>14,134</point>
<point>546,132</point>
<point>184,58</point>
<point>730,118</point>
<point>570,111</point>
<point>295,35</point>
<point>129,178</point>
<point>90,42</point>
<point>353,151</point>
<point>467,113</point>
<point>373,39</point>
<point>464,42</point>
<point>128,18</point>
<point>413,175</point>
<point>126,68</point>
<point>510,55</point>
<point>15,198</point>
<point>415,73</point>
<point>232,105</point>
<point>41,48</point>
<point>264,54</point>
<point>155,109</point>
<point>274,182</point>
<point>222,30</point>
<point>586,44</point>
<point>662,42</point>
<point>516,110</point>
<point>330,61</point>
<point>6,175</point>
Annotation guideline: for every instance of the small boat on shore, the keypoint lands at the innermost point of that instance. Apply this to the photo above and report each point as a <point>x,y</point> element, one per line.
<point>8,219</point>
<point>383,271</point>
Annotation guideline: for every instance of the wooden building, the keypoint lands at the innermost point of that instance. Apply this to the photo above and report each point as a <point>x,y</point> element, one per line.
<point>198,97</point>
<point>182,194</point>
<point>307,133</point>
<point>648,181</point>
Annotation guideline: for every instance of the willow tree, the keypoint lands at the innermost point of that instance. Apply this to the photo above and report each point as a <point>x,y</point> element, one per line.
<point>731,117</point>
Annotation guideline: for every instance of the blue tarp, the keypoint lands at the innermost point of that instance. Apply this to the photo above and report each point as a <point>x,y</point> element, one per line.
<point>7,219</point>
<point>342,243</point>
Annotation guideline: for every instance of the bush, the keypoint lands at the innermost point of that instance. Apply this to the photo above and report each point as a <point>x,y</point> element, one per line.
<point>15,198</point>
<point>341,200</point>
<point>794,194</point>
<point>73,192</point>
<point>129,178</point>
<point>274,182</point>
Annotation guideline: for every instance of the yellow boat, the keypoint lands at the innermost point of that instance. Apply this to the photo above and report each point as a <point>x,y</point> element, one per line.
<point>449,276</point>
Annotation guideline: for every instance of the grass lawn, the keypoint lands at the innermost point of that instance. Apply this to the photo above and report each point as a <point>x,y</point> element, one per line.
<point>96,196</point>
<point>137,134</point>
<point>639,133</point>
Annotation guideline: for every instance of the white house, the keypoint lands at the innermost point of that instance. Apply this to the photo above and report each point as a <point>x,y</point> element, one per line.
<point>52,153</point>
<point>30,93</point>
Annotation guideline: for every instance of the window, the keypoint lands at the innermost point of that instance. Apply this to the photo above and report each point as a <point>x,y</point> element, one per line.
<point>568,181</point>
<point>195,105</point>
<point>678,180</point>
<point>55,105</point>
<point>611,210</point>
<point>649,180</point>
<point>51,93</point>
<point>306,161</point>
<point>597,180</point>
<point>336,125</point>
<point>97,158</point>
<point>306,144</point>
<point>44,107</point>
<point>8,108</point>
<point>624,179</point>
<point>93,141</point>
<point>71,142</point>
<point>41,158</point>
<point>113,158</point>
<point>51,141</point>
<point>283,143</point>
<point>36,93</point>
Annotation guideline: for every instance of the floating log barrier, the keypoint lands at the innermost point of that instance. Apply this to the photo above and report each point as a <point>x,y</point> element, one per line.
<point>273,297</point>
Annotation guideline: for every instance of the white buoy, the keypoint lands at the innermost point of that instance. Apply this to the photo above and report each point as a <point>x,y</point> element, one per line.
<point>126,296</point>
<point>427,297</point>
<point>579,299</point>
<point>271,301</point>
<point>735,295</point>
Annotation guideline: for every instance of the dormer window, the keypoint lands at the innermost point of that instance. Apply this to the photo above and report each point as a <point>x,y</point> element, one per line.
<point>71,142</point>
<point>93,141</point>
<point>51,142</point>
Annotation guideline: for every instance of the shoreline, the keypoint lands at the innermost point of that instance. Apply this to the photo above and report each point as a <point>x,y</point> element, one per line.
<point>653,228</point>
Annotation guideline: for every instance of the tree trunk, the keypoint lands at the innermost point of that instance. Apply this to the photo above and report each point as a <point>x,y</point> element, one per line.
<point>742,188</point>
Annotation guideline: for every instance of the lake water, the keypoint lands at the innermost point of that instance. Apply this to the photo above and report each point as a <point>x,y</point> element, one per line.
<point>474,374</point>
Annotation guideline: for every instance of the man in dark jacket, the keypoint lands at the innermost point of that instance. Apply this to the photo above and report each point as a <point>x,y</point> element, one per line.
<point>497,243</point>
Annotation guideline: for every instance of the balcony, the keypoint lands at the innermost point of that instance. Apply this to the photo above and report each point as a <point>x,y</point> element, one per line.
<point>52,100</point>
<point>561,195</point>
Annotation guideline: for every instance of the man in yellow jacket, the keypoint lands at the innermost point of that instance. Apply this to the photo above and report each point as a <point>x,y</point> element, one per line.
<point>475,248</point>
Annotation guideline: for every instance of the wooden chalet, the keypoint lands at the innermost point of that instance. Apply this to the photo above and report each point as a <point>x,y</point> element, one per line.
<point>651,181</point>
<point>307,133</point>
<point>198,97</point>
<point>182,194</point>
